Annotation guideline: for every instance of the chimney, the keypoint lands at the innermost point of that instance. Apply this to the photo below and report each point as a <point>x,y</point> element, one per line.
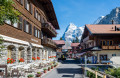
<point>115,28</point>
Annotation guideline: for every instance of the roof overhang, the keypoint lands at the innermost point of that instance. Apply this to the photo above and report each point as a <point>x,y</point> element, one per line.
<point>49,9</point>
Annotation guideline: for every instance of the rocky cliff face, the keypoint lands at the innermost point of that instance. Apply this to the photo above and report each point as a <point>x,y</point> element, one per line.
<point>114,15</point>
<point>72,31</point>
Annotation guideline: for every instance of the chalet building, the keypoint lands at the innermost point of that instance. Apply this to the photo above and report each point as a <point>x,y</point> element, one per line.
<point>60,44</point>
<point>32,36</point>
<point>75,49</point>
<point>101,41</point>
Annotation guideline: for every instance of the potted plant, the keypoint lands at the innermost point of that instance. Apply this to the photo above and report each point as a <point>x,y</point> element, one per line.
<point>45,70</point>
<point>38,74</point>
<point>55,65</point>
<point>49,68</point>
<point>30,76</point>
<point>52,67</point>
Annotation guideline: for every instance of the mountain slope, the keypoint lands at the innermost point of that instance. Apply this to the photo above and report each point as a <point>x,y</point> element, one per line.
<point>114,15</point>
<point>71,32</point>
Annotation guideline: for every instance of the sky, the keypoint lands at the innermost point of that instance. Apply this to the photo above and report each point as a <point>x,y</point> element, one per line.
<point>81,12</point>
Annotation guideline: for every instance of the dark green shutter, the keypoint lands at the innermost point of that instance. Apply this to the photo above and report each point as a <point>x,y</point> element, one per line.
<point>25,25</point>
<point>20,23</point>
<point>30,29</point>
<point>31,8</point>
<point>25,4</point>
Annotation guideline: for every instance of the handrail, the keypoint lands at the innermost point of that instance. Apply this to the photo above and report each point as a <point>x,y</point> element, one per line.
<point>98,73</point>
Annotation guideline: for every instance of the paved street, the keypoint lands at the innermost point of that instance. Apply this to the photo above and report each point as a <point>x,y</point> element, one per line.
<point>68,69</point>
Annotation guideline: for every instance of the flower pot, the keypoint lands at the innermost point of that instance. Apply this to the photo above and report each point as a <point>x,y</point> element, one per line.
<point>45,71</point>
<point>30,77</point>
<point>38,75</point>
<point>51,67</point>
<point>48,69</point>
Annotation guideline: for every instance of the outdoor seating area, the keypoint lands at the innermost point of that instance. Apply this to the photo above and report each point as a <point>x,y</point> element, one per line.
<point>24,70</point>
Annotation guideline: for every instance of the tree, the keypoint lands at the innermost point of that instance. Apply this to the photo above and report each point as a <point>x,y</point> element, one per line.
<point>8,12</point>
<point>73,41</point>
<point>77,40</point>
<point>60,38</point>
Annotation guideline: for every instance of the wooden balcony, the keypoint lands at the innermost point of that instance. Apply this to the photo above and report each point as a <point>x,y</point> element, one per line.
<point>117,47</point>
<point>110,47</point>
<point>88,39</point>
<point>49,29</point>
<point>48,42</point>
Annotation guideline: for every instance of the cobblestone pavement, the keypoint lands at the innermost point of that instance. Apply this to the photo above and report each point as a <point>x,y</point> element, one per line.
<point>68,69</point>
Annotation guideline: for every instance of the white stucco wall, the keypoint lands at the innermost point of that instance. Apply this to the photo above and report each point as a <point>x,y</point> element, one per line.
<point>109,54</point>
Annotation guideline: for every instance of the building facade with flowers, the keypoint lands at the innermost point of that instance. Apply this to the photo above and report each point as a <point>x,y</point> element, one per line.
<point>31,38</point>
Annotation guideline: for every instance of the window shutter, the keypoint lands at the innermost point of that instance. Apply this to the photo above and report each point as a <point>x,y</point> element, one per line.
<point>25,4</point>
<point>34,30</point>
<point>34,12</point>
<point>30,29</point>
<point>25,25</point>
<point>21,23</point>
<point>31,8</point>
<point>21,2</point>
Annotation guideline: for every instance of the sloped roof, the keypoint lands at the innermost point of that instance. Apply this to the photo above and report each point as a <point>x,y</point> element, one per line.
<point>75,44</point>
<point>103,28</point>
<point>66,47</point>
<point>48,6</point>
<point>58,42</point>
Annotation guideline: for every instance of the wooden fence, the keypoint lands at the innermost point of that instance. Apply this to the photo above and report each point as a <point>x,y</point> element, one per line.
<point>98,73</point>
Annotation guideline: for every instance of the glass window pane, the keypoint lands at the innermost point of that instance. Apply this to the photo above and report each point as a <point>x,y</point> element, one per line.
<point>107,43</point>
<point>15,25</point>
<point>111,43</point>
<point>8,22</point>
<point>28,6</point>
<point>27,28</point>
<point>104,43</point>
<point>38,34</point>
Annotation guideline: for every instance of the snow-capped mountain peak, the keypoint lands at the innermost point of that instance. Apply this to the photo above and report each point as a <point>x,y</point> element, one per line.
<point>71,32</point>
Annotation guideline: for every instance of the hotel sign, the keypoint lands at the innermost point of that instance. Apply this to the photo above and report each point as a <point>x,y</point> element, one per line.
<point>34,40</point>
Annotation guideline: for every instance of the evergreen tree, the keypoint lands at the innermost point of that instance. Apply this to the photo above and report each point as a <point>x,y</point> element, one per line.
<point>73,41</point>
<point>60,38</point>
<point>8,12</point>
<point>77,40</point>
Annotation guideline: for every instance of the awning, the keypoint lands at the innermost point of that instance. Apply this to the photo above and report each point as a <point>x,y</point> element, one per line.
<point>10,39</point>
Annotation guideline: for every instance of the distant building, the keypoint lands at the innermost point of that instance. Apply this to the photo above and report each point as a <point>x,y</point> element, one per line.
<point>75,49</point>
<point>101,43</point>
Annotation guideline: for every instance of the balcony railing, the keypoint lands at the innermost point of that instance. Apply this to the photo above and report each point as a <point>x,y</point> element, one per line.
<point>110,47</point>
<point>48,42</point>
<point>48,28</point>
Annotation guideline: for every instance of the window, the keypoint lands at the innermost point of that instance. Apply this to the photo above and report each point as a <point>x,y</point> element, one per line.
<point>113,54</point>
<point>107,43</point>
<point>111,43</point>
<point>38,17</point>
<point>36,32</point>
<point>15,25</point>
<point>29,6</point>
<point>104,43</point>
<point>20,1</point>
<point>27,27</point>
<point>8,22</point>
